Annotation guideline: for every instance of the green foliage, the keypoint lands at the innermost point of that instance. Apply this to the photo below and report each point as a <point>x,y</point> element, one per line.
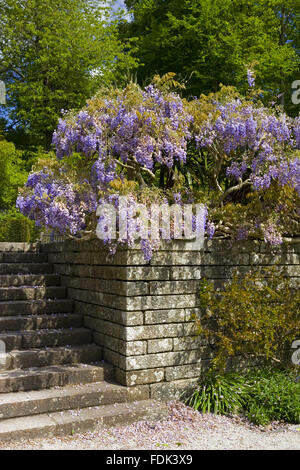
<point>54,55</point>
<point>14,227</point>
<point>209,42</point>
<point>264,395</point>
<point>12,174</point>
<point>219,394</point>
<point>273,395</point>
<point>256,315</point>
<point>274,207</point>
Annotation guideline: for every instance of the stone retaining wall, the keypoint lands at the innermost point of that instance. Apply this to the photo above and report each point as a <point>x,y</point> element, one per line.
<point>140,312</point>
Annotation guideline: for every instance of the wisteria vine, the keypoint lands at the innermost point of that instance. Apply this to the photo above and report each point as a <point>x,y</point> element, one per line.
<point>136,142</point>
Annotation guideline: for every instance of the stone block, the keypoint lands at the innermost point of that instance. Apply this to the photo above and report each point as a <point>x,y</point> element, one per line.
<point>231,246</point>
<point>126,348</point>
<point>214,272</point>
<point>192,342</point>
<point>105,286</point>
<point>163,359</point>
<point>131,378</point>
<point>103,327</point>
<point>138,393</point>
<point>109,314</point>
<point>176,390</point>
<point>174,287</point>
<point>224,259</point>
<point>147,273</point>
<point>186,371</point>
<point>239,270</point>
<point>271,259</point>
<point>185,272</point>
<point>111,357</point>
<point>176,258</point>
<point>100,298</point>
<point>160,302</point>
<point>165,316</point>
<point>159,345</point>
<point>135,333</point>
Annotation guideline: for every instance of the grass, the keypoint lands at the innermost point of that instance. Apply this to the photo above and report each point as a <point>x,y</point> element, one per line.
<point>263,396</point>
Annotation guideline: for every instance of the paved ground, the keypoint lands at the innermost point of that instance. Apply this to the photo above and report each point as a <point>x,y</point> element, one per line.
<point>184,429</point>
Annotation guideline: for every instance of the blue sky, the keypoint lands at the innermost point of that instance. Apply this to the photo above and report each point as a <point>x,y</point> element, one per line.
<point>120,4</point>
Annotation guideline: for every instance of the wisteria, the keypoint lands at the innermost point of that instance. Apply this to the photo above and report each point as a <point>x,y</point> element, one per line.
<point>256,140</point>
<point>134,129</point>
<point>250,78</point>
<point>256,147</point>
<point>121,135</point>
<point>135,142</point>
<point>271,234</point>
<point>57,203</point>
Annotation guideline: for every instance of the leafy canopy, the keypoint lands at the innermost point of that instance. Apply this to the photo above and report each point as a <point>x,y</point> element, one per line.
<point>12,174</point>
<point>54,54</point>
<point>208,42</point>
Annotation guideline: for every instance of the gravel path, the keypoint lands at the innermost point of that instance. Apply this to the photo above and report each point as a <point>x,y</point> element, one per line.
<point>183,429</point>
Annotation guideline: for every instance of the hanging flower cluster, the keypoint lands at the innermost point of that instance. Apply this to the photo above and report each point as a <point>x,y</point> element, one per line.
<point>134,129</point>
<point>254,147</point>
<point>252,142</point>
<point>126,135</point>
<point>54,200</point>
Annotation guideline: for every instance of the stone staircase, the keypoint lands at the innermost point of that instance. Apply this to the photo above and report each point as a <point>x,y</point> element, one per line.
<point>54,381</point>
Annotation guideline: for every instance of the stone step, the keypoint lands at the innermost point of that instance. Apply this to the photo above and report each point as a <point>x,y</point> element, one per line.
<point>52,376</point>
<point>19,247</point>
<point>27,280</point>
<point>35,307</point>
<point>80,420</point>
<point>40,322</point>
<point>32,293</point>
<point>23,257</point>
<point>26,268</point>
<point>19,404</point>
<point>45,338</point>
<point>85,354</point>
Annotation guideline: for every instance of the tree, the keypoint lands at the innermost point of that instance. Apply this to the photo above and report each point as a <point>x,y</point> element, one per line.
<point>54,54</point>
<point>12,174</point>
<point>209,42</point>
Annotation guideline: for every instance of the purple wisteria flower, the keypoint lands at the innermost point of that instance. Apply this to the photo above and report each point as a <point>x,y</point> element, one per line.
<point>210,229</point>
<point>251,78</point>
<point>125,140</point>
<point>271,234</point>
<point>254,141</point>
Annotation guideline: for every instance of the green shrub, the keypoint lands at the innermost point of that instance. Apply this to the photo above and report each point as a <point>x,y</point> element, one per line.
<point>12,174</point>
<point>265,395</point>
<point>256,315</point>
<point>14,227</point>
<point>273,395</point>
<point>219,394</point>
